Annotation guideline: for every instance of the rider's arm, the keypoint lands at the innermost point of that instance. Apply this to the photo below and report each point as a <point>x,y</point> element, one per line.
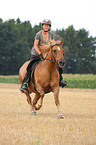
<point>36,46</point>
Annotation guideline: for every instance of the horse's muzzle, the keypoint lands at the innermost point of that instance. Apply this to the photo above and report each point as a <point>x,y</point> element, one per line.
<point>61,63</point>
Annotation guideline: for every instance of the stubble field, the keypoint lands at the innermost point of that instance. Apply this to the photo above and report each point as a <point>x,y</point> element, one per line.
<point>19,127</point>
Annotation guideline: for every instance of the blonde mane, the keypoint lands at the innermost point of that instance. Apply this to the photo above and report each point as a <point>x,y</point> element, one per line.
<point>44,48</point>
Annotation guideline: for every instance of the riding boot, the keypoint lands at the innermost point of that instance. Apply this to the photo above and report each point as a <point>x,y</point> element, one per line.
<point>62,82</point>
<point>25,82</point>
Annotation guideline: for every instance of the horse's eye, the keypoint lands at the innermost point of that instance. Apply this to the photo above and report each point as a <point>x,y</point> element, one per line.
<point>55,50</point>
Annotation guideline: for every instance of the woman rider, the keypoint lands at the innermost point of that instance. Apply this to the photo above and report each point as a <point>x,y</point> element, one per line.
<point>42,36</point>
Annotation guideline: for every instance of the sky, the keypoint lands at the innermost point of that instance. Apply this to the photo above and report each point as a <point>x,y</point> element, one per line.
<point>62,13</point>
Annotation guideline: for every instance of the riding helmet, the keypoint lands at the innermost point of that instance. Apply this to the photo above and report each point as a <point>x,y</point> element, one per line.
<point>47,22</point>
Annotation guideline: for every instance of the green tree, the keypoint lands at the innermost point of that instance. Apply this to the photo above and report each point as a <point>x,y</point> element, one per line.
<point>70,42</point>
<point>85,51</point>
<point>80,50</point>
<point>14,49</point>
<point>17,39</point>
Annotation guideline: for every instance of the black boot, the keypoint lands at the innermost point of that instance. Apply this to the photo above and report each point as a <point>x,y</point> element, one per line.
<point>25,82</point>
<point>24,87</point>
<point>62,82</point>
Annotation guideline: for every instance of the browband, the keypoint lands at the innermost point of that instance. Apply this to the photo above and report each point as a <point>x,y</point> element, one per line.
<point>55,45</point>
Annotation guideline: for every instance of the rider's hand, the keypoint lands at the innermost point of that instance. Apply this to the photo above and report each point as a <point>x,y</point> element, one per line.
<point>41,56</point>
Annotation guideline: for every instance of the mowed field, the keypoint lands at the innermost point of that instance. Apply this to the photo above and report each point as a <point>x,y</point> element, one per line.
<point>19,127</point>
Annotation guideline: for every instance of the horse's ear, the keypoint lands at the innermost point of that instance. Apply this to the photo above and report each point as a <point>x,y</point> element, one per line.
<point>61,43</point>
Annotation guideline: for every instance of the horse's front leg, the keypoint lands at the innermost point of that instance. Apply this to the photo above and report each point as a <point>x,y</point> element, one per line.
<point>41,95</point>
<point>39,105</point>
<point>40,90</point>
<point>29,100</point>
<point>56,97</point>
<point>35,100</point>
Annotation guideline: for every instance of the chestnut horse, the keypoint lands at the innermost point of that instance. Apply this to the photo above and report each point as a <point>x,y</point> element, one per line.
<point>46,75</point>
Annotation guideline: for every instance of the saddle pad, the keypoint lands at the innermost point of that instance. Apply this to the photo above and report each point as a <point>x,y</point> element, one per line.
<point>31,67</point>
<point>32,70</point>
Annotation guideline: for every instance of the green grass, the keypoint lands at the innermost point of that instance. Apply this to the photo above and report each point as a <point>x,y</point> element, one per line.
<point>80,81</point>
<point>73,80</point>
<point>10,79</point>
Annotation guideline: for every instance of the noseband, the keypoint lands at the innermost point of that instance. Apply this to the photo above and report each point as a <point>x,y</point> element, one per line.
<point>52,53</point>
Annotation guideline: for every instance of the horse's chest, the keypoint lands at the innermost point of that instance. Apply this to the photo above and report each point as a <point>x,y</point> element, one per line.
<point>49,81</point>
<point>47,87</point>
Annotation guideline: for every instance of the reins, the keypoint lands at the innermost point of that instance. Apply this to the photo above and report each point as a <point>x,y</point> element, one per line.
<point>51,53</point>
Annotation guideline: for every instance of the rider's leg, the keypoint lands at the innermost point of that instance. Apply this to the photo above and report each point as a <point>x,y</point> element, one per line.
<point>62,82</point>
<point>25,82</point>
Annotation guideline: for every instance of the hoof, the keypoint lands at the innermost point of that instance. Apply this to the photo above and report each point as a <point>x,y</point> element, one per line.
<point>37,107</point>
<point>60,117</point>
<point>34,113</point>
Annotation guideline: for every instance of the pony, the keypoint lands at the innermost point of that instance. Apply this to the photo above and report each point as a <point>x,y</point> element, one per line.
<point>46,75</point>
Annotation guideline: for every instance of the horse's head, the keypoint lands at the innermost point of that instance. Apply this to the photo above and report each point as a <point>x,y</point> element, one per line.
<point>57,52</point>
<point>54,50</point>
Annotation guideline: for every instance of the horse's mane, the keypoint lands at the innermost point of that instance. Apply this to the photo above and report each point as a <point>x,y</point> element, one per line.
<point>45,47</point>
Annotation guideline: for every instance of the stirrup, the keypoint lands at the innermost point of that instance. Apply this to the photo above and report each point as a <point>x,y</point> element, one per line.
<point>63,84</point>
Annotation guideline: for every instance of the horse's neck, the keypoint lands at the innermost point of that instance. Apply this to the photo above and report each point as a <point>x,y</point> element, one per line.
<point>50,64</point>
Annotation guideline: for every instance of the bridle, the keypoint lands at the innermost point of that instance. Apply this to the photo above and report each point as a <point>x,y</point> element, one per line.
<point>52,53</point>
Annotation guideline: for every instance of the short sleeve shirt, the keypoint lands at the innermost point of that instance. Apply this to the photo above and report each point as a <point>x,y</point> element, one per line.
<point>41,40</point>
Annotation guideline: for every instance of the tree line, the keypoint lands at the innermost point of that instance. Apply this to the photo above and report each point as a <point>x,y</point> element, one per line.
<point>17,39</point>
